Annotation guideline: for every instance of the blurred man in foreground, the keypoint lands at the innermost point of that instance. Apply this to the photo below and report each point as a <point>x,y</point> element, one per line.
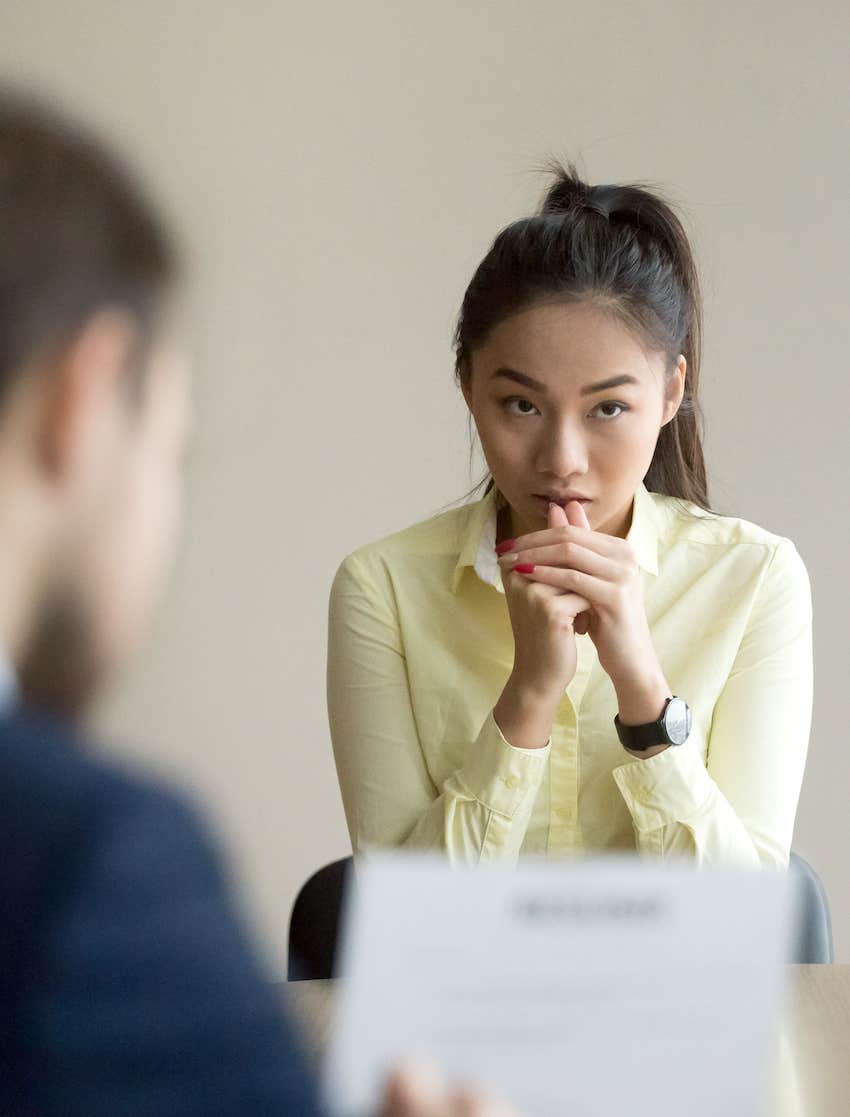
<point>128,986</point>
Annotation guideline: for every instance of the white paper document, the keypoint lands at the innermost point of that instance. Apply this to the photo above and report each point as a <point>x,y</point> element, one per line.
<point>574,988</point>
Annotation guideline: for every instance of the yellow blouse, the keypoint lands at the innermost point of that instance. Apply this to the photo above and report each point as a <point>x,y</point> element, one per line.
<point>420,647</point>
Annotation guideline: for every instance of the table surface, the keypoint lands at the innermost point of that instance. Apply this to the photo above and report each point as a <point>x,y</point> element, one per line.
<point>814,1063</point>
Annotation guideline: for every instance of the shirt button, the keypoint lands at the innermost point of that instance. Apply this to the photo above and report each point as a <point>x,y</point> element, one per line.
<point>510,782</point>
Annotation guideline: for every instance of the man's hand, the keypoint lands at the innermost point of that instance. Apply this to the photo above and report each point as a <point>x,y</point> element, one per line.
<point>420,1092</point>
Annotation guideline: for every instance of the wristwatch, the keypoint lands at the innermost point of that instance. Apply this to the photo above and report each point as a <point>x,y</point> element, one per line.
<point>672,728</point>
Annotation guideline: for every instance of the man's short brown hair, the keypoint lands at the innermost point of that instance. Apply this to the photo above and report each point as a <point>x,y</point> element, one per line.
<point>77,235</point>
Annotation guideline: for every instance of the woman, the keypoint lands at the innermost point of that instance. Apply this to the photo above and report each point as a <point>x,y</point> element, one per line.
<point>587,658</point>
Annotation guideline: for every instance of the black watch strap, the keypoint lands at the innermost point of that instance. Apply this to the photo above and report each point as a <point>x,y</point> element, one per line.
<point>672,728</point>
<point>639,738</point>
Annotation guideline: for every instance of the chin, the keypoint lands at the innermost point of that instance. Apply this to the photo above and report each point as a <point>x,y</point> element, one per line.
<point>61,671</point>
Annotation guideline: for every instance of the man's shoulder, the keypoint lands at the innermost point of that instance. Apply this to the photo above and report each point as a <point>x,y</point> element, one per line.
<point>60,801</point>
<point>49,771</point>
<point>112,896</point>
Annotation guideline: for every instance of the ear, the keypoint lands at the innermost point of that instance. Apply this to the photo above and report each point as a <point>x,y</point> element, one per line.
<point>85,393</point>
<point>674,390</point>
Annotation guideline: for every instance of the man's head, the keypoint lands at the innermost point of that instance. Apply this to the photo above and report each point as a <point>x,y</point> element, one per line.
<point>94,407</point>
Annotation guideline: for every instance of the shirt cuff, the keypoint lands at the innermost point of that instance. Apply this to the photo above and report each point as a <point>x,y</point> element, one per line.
<point>671,786</point>
<point>499,775</point>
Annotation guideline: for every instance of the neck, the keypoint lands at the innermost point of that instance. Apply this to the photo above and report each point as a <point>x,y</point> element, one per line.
<point>21,566</point>
<point>620,524</point>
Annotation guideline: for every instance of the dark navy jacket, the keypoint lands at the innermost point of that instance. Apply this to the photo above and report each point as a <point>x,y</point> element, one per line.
<point>127,985</point>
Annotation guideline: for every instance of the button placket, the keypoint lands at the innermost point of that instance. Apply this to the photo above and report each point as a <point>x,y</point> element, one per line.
<point>564,830</point>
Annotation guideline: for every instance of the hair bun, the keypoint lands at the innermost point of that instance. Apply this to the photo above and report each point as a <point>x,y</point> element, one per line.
<point>568,193</point>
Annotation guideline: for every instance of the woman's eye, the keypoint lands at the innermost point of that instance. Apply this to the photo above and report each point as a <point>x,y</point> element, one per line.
<point>610,410</point>
<point>516,405</point>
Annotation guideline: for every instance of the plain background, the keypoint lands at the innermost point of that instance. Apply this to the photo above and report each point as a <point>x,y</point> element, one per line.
<point>337,171</point>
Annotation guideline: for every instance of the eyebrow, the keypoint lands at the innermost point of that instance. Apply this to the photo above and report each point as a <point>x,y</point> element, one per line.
<point>588,390</point>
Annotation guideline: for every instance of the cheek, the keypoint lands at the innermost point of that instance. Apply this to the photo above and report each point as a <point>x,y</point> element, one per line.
<point>501,440</point>
<point>137,558</point>
<point>508,456</point>
<point>152,534</point>
<point>628,445</point>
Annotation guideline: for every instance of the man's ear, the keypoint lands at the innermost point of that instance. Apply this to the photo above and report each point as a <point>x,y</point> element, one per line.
<point>84,389</point>
<point>674,390</point>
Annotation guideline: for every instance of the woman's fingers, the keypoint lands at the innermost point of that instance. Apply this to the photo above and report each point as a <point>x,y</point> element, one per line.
<point>568,602</point>
<point>512,579</point>
<point>558,517</point>
<point>593,590</point>
<point>572,555</point>
<point>575,514</point>
<point>608,545</point>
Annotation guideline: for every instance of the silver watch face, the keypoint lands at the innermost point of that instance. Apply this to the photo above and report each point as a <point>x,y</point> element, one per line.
<point>677,721</point>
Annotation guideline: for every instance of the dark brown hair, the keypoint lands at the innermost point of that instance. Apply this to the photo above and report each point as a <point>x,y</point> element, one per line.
<point>625,248</point>
<point>76,236</point>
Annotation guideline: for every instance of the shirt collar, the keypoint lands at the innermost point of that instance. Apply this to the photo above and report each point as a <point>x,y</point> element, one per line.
<point>645,530</point>
<point>478,544</point>
<point>8,685</point>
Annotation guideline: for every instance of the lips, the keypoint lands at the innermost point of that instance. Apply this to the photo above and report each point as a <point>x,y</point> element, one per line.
<point>552,498</point>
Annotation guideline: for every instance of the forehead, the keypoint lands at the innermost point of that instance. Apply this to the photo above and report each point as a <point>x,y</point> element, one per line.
<point>567,346</point>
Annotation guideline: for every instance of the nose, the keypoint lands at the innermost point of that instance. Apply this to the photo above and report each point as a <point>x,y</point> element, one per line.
<point>563,452</point>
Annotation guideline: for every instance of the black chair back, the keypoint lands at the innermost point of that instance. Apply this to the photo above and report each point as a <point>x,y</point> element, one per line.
<point>814,928</point>
<point>315,923</point>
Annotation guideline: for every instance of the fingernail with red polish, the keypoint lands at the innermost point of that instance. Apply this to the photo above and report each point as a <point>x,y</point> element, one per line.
<point>503,548</point>
<point>524,568</point>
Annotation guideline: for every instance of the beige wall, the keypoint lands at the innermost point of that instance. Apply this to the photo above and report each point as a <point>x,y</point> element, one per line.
<point>338,170</point>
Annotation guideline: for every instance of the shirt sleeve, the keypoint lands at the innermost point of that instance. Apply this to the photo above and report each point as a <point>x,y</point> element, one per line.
<point>739,806</point>
<point>480,813</point>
